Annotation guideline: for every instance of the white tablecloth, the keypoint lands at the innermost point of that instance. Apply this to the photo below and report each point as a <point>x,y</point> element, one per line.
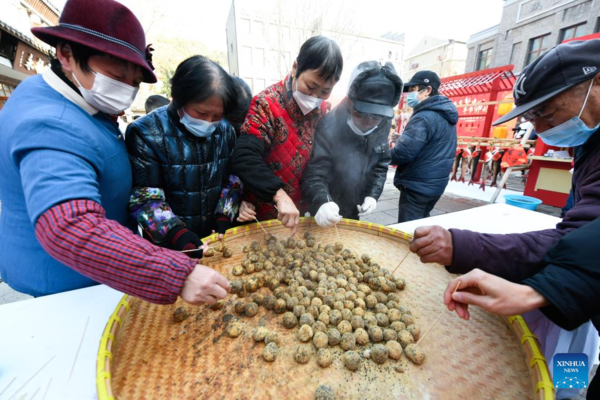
<point>502,218</point>
<point>51,328</point>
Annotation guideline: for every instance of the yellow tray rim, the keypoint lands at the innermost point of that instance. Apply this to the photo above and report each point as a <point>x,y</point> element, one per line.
<point>544,388</point>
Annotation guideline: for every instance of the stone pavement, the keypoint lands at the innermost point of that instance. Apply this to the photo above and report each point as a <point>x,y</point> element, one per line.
<point>385,214</point>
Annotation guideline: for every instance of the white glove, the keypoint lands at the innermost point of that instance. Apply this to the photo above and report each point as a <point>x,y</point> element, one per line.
<point>368,206</point>
<point>328,215</point>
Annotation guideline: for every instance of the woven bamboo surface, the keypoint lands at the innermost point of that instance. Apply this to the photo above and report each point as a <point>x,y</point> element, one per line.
<point>148,355</point>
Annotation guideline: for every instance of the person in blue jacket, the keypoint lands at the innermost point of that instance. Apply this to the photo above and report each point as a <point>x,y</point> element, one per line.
<point>425,151</point>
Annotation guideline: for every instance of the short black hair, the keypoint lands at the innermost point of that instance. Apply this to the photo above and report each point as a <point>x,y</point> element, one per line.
<point>322,54</point>
<point>244,96</point>
<point>434,91</point>
<point>81,54</point>
<point>199,78</point>
<point>155,101</point>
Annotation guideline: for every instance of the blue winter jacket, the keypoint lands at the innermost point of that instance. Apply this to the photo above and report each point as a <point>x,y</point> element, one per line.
<point>425,151</point>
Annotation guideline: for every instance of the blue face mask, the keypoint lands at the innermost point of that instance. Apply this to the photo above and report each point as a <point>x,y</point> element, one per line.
<point>572,133</point>
<point>198,127</point>
<point>411,99</point>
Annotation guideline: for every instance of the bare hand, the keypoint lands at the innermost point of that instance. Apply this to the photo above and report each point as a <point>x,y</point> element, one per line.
<point>433,244</point>
<point>247,212</point>
<point>288,214</point>
<point>491,293</point>
<point>204,285</point>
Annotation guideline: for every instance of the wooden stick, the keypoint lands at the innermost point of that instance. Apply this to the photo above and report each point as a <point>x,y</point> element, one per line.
<point>34,394</point>
<point>47,387</point>
<point>7,386</point>
<point>405,257</point>
<point>261,227</point>
<point>335,225</point>
<point>79,347</point>
<point>437,319</point>
<point>33,376</point>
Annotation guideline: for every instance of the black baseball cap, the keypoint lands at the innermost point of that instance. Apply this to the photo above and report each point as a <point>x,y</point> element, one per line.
<point>376,90</point>
<point>424,78</point>
<point>559,69</point>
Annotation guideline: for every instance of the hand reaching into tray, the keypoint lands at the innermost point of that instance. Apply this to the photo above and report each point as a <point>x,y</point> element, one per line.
<point>288,214</point>
<point>491,293</point>
<point>204,285</point>
<point>433,244</point>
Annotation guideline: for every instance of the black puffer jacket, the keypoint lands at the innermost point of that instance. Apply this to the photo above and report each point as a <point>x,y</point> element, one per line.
<point>425,151</point>
<point>345,166</point>
<point>191,170</point>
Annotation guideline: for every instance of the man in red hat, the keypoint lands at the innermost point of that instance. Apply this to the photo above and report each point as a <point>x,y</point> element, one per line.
<point>66,176</point>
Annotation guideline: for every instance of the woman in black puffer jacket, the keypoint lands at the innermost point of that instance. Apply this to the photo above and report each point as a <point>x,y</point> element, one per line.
<point>180,155</point>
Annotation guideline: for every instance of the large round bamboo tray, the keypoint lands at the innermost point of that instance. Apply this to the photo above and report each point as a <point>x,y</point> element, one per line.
<point>144,354</point>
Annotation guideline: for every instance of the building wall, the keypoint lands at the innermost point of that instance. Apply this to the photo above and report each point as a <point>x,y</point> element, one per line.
<point>446,60</point>
<point>524,20</point>
<point>266,42</point>
<point>232,43</point>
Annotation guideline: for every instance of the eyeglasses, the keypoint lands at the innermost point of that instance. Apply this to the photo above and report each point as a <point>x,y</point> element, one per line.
<point>533,114</point>
<point>372,117</point>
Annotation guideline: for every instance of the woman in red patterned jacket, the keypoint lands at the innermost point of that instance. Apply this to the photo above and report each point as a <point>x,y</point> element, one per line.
<point>276,140</point>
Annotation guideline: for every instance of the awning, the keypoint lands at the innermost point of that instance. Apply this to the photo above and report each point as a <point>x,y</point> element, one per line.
<point>11,73</point>
<point>485,81</point>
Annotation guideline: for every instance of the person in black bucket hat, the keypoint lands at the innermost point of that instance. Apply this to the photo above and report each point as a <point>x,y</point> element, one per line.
<point>425,151</point>
<point>348,168</point>
<point>560,94</point>
<point>66,176</point>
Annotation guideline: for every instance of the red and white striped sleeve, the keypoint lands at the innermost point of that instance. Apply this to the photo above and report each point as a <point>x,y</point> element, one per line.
<point>78,234</point>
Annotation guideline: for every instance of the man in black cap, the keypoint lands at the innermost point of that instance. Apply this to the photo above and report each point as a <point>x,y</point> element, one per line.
<point>560,94</point>
<point>348,168</point>
<point>425,151</point>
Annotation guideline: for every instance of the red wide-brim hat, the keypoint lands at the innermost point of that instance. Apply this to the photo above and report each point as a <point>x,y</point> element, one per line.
<point>103,25</point>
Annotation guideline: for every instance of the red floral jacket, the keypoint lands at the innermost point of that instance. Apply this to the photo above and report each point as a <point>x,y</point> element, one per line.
<point>286,136</point>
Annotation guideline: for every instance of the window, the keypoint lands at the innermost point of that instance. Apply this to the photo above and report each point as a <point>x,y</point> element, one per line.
<point>258,57</point>
<point>273,36</point>
<point>8,46</point>
<point>571,32</point>
<point>537,47</point>
<point>287,59</point>
<point>250,83</point>
<point>5,91</point>
<point>484,60</point>
<point>231,48</point>
<point>246,56</point>
<point>516,49</point>
<point>273,59</point>
<point>257,28</point>
<point>259,85</point>
<point>244,26</point>
<point>597,28</point>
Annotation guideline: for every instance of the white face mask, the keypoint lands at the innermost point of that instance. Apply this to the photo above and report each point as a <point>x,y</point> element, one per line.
<point>305,102</point>
<point>108,95</point>
<point>198,127</point>
<point>356,129</point>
